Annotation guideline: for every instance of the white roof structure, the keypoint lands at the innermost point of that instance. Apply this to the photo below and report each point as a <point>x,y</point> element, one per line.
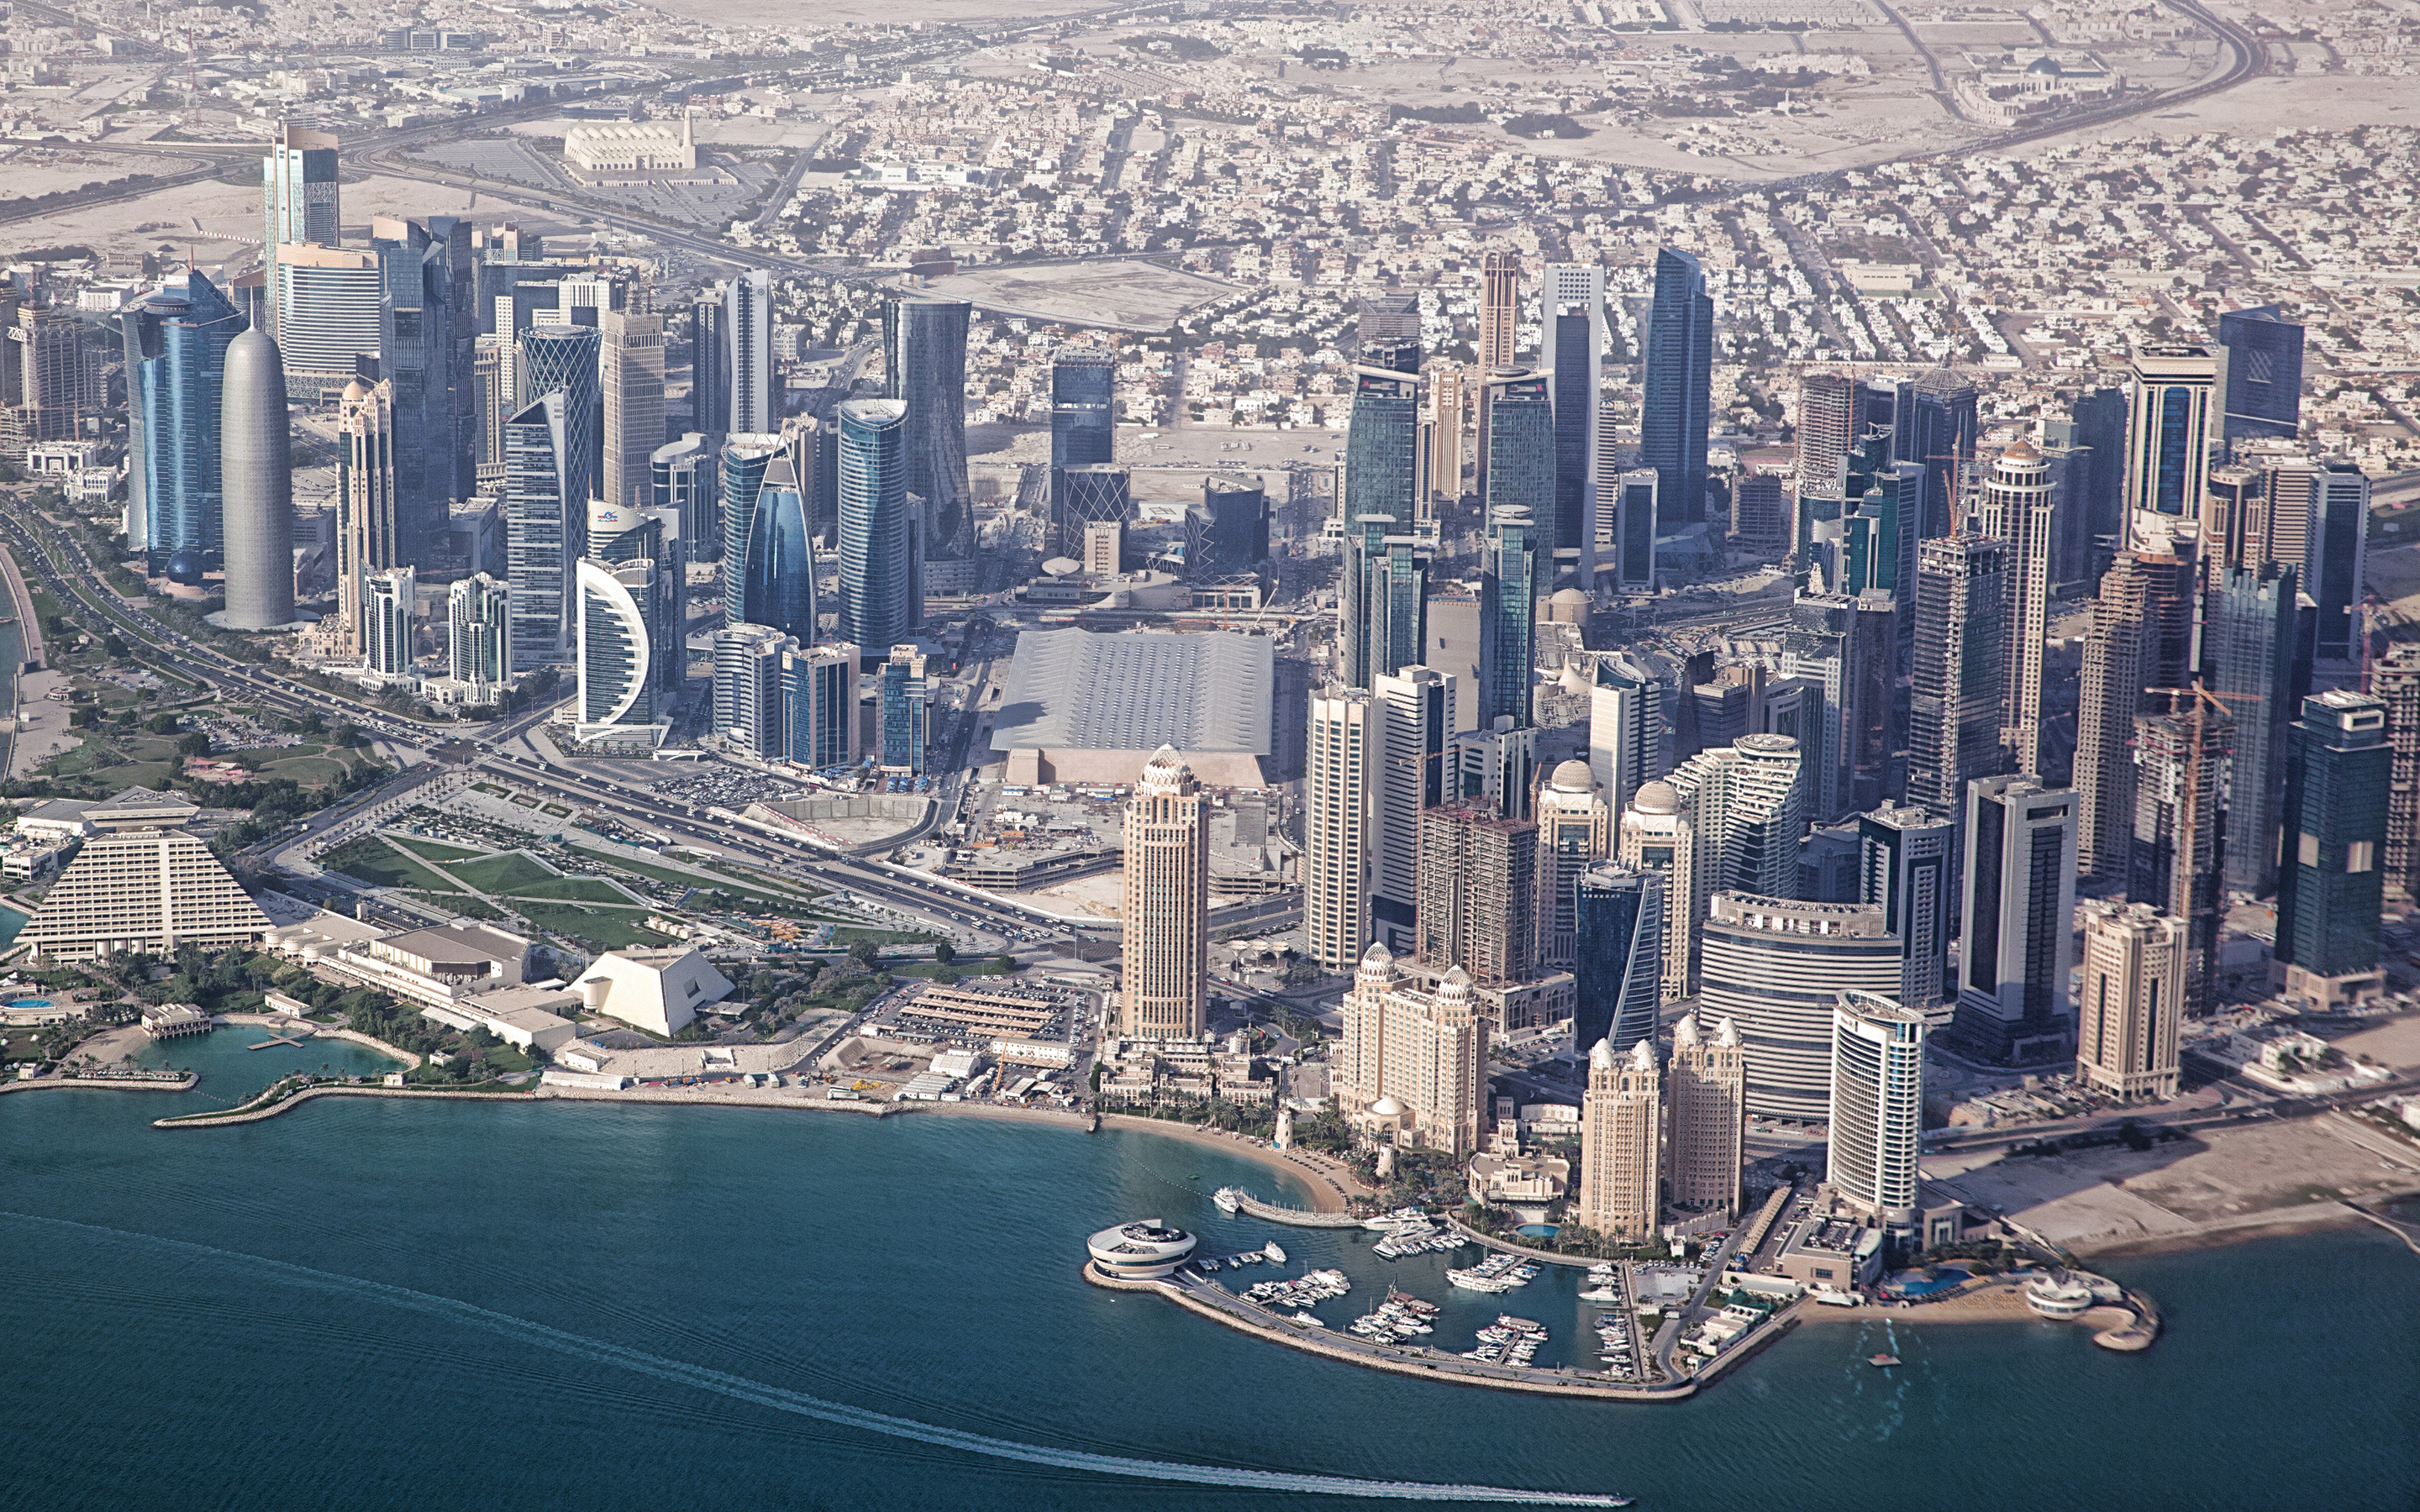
<point>1072,689</point>
<point>659,991</point>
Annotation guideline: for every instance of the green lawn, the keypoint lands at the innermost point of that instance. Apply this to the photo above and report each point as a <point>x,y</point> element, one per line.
<point>692,879</point>
<point>436,850</point>
<point>266,755</point>
<point>596,928</point>
<point>372,860</point>
<point>504,873</point>
<point>460,903</point>
<point>572,889</point>
<point>311,771</point>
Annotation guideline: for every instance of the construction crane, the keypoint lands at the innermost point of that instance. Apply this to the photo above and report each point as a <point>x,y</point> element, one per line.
<point>2200,701</point>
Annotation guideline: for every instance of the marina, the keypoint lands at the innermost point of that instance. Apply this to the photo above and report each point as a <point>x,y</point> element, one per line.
<point>1496,1273</point>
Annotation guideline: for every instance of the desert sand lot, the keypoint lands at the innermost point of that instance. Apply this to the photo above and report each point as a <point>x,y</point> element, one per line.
<point>1136,295</point>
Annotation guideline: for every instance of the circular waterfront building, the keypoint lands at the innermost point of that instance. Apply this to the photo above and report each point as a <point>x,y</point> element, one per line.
<point>1147,1250</point>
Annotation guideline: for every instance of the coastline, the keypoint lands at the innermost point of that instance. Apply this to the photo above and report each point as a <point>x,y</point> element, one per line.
<point>103,1084</point>
<point>1317,1176</point>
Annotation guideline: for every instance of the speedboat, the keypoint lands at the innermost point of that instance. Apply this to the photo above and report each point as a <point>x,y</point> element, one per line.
<point>1276,1255</point>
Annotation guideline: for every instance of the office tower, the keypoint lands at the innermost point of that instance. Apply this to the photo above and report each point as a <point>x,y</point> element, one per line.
<point>1749,805</point>
<point>1441,425</point>
<point>1775,967</point>
<point>2129,1020</point>
<point>1389,325</point>
<point>1382,446</point>
<point>257,479</point>
<point>1630,732</point>
<point>492,404</point>
<point>2248,644</point>
<point>1499,764</point>
<point>1880,402</point>
<point>745,459</point>
<point>564,360</point>
<point>1411,770</point>
<point>880,598</point>
<point>1083,418</point>
<point>819,704</point>
<point>1422,1046</point>
<point>478,625</point>
<point>1087,494</point>
<point>53,386</point>
<point>2141,636</point>
<point>1819,649</point>
<point>2098,421</point>
<point>2017,508</point>
<point>2067,466</point>
<point>814,449</point>
<point>416,350</point>
<point>1877,1105</point>
<point>1166,963</point>
<point>904,712</point>
<point>2019,849</point>
<point>684,478</point>
<point>1499,294</point>
<point>1618,955</point>
<point>1658,832</point>
<point>1510,559</point>
<point>1478,903</point>
<point>297,197</point>
<point>1575,833</point>
<point>1937,432</point>
<point>331,307</point>
<point>2329,500</point>
<point>1343,825</point>
<point>1520,442</point>
<point>772,578</point>
<point>176,348</point>
<point>925,349</point>
<point>2236,520</point>
<point>1677,387</point>
<point>1760,515</point>
<point>614,658</point>
<point>747,332</point>
<point>387,612</point>
<point>1104,549</point>
<point>631,351</point>
<point>370,534</point>
<point>2174,859</point>
<point>546,529</point>
<point>2260,377</point>
<point>1239,522</point>
<point>1571,314</point>
<point>148,891</point>
<point>1621,1143</point>
<point>618,535</point>
<point>2168,437</point>
<point>748,703</point>
<point>1632,512</point>
<point>2329,881</point>
<point>2395,681</point>
<point>710,362</point>
<point>1827,423</point>
<point>1382,602</point>
<point>1905,864</point>
<point>1956,698</point>
<point>1705,1093</point>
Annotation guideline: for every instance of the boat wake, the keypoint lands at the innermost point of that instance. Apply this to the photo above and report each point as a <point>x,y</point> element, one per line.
<point>740,1388</point>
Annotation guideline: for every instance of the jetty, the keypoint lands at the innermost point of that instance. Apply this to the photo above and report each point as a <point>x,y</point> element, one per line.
<point>274,1039</point>
<point>1245,1202</point>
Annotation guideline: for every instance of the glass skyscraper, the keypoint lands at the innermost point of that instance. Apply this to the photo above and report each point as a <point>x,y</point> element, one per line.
<point>1572,311</point>
<point>745,458</point>
<point>1678,388</point>
<point>1382,447</point>
<point>176,348</point>
<point>776,575</point>
<point>925,349</point>
<point>2330,881</point>
<point>878,566</point>
<point>1936,431</point>
<point>2259,374</point>
<point>1618,963</point>
<point>562,360</point>
<point>1510,561</point>
<point>1083,416</point>
<point>546,530</point>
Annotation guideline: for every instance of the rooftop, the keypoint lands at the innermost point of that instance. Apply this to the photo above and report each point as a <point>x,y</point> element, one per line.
<point>1074,689</point>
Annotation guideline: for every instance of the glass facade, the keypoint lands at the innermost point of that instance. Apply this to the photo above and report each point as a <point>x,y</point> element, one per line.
<point>1678,388</point>
<point>877,571</point>
<point>1618,963</point>
<point>778,574</point>
<point>2262,357</point>
<point>2330,881</point>
<point>924,347</point>
<point>745,459</point>
<point>544,532</point>
<point>562,360</point>
<point>176,343</point>
<point>1510,565</point>
<point>617,682</point>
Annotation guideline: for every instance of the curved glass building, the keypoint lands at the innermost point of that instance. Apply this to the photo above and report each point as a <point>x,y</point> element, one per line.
<point>924,345</point>
<point>562,360</point>
<point>776,577</point>
<point>176,348</point>
<point>745,458</point>
<point>617,685</point>
<point>877,568</point>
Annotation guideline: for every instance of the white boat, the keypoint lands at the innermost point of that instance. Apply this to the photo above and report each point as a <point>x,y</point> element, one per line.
<point>1473,1281</point>
<point>1225,1198</point>
<point>1276,1255</point>
<point>1835,1299</point>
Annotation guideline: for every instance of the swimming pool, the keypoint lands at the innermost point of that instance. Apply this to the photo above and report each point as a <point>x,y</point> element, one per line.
<point>1537,1231</point>
<point>33,1002</point>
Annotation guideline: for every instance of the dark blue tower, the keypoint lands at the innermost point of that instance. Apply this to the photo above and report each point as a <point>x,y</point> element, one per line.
<point>1677,390</point>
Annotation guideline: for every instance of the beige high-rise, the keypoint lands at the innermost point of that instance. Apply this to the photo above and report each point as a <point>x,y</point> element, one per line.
<point>631,370</point>
<point>2016,508</point>
<point>1414,1060</point>
<point>1575,833</point>
<point>1167,961</point>
<point>1443,423</point>
<point>1622,1135</point>
<point>1659,833</point>
<point>2130,1012</point>
<point>1341,823</point>
<point>366,529</point>
<point>1707,1091</point>
<point>1499,318</point>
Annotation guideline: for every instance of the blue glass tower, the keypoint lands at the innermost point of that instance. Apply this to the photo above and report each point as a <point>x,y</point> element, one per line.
<point>745,458</point>
<point>878,568</point>
<point>1618,966</point>
<point>2331,882</point>
<point>562,360</point>
<point>1936,431</point>
<point>176,348</point>
<point>546,529</point>
<point>1083,416</point>
<point>1677,390</point>
<point>2260,373</point>
<point>1382,447</point>
<point>1510,563</point>
<point>777,576</point>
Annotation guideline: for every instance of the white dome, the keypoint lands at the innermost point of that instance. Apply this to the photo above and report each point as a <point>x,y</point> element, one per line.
<point>1387,1107</point>
<point>1572,776</point>
<point>1657,797</point>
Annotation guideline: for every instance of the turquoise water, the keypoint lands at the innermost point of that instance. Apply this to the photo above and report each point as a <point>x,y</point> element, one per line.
<point>11,920</point>
<point>27,1002</point>
<point>378,1304</point>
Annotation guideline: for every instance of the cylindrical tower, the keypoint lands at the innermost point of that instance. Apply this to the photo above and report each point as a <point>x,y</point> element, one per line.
<point>256,481</point>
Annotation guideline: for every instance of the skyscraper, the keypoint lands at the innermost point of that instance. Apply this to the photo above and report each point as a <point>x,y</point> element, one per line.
<point>1936,430</point>
<point>1087,494</point>
<point>1510,565</point>
<point>54,387</point>
<point>1658,832</point>
<point>478,624</point>
<point>258,474</point>
<point>2330,883</point>
<point>1877,1105</point>
<point>1618,955</point>
<point>2141,636</point>
<point>819,704</point>
<point>1499,321</point>
<point>1441,431</point>
<point>2168,437</point>
<point>2130,1020</point>
<point>748,339</point>
<point>1955,699</point>
<point>881,598</point>
<point>924,347</point>
<point>749,702</point>
<point>614,660</point>
<point>1420,1042</point>
<point>1343,822</point>
<point>2259,374</point>
<point>710,362</point>
<point>1678,386</point>
<point>1775,967</point>
<point>1749,805</point>
<point>388,608</point>
<point>546,529</point>
<point>1166,963</point>
<point>420,274</point>
<point>176,348</point>
<point>2015,950</point>
<point>369,532</point>
<point>2319,520</point>
<point>1414,772</point>
<point>2394,680</point>
<point>684,478</point>
<point>564,360</point>
<point>2099,418</point>
<point>1575,833</point>
<point>744,461</point>
<point>331,307</point>
<point>1630,729</point>
<point>2174,862</point>
<point>904,712</point>
<point>1083,418</point>
<point>1821,649</point>
<point>775,574</point>
<point>1827,423</point>
<point>1387,330</point>
<point>298,196</point>
<point>1706,1092</point>
<point>1571,312</point>
<point>1905,865</point>
<point>619,536</point>
<point>631,353</point>
<point>1382,446</point>
<point>1381,605</point>
<point>1621,1143</point>
<point>1479,891</point>
<point>2018,507</point>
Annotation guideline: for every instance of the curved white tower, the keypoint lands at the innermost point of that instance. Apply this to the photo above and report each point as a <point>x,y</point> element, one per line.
<point>257,480</point>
